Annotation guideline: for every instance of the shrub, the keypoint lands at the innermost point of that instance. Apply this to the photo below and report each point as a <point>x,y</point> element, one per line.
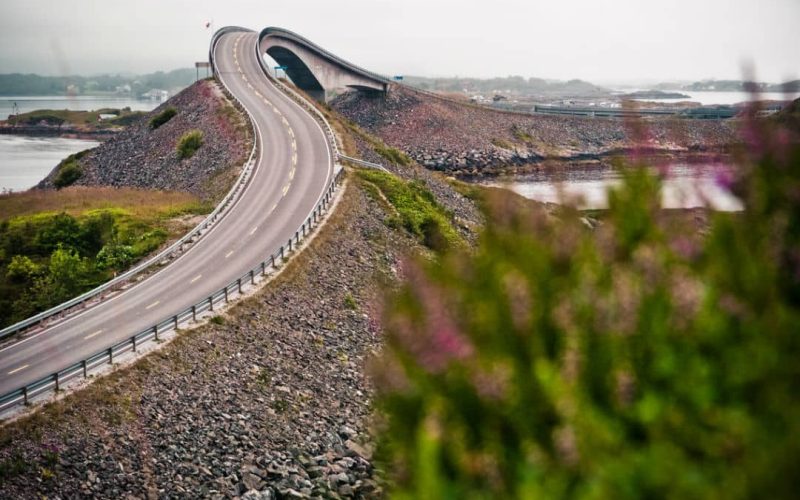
<point>189,143</point>
<point>637,360</point>
<point>69,172</point>
<point>162,118</point>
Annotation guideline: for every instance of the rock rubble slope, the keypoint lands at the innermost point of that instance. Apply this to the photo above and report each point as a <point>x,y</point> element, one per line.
<point>449,136</point>
<point>143,157</point>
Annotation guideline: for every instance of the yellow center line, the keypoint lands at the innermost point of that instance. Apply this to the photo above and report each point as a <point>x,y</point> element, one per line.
<point>294,145</point>
<point>153,304</point>
<point>252,231</point>
<point>15,370</point>
<point>196,278</point>
<point>229,254</point>
<point>286,189</point>
<point>95,334</point>
<point>273,207</point>
<point>291,132</point>
<point>291,174</point>
<point>294,159</point>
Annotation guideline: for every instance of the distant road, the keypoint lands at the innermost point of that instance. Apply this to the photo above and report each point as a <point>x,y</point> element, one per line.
<point>293,168</point>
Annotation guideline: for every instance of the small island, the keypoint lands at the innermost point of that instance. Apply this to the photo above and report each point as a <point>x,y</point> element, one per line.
<point>654,94</point>
<point>101,122</point>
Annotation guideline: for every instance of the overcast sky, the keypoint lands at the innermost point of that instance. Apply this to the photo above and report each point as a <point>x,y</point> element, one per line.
<point>596,40</point>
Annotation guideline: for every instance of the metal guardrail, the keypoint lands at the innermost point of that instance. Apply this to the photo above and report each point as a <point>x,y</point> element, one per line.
<point>236,287</point>
<point>169,252</point>
<point>364,163</point>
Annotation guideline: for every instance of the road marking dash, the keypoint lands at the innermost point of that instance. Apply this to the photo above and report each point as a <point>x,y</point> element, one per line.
<point>252,231</point>
<point>196,278</point>
<point>291,132</point>
<point>229,254</point>
<point>15,370</point>
<point>153,304</point>
<point>294,145</point>
<point>95,334</point>
<point>294,159</point>
<point>291,174</point>
<point>286,189</point>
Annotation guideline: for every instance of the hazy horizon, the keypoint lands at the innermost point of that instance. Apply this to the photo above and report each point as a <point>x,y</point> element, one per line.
<point>601,41</point>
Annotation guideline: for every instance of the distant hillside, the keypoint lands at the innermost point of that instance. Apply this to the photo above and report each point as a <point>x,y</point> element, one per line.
<point>17,84</point>
<point>512,84</point>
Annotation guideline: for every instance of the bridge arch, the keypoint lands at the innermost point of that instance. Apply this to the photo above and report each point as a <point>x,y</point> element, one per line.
<point>315,70</point>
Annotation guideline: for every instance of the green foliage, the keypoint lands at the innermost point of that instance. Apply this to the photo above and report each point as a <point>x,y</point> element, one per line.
<point>55,256</point>
<point>163,117</point>
<point>68,172</point>
<point>392,154</point>
<point>350,302</point>
<point>217,320</point>
<point>637,360</point>
<point>417,209</point>
<point>189,143</point>
<point>502,143</point>
<point>21,269</point>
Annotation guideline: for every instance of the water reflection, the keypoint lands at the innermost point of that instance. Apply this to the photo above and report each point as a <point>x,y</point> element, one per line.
<point>687,186</point>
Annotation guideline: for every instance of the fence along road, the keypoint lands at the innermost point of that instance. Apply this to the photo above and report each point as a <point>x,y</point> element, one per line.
<point>294,171</point>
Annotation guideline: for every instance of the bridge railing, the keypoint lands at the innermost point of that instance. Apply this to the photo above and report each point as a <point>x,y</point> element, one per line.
<point>238,287</point>
<point>56,380</point>
<point>65,309</point>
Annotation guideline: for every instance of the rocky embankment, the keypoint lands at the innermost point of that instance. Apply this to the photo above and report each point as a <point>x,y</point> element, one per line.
<point>144,157</point>
<point>448,136</point>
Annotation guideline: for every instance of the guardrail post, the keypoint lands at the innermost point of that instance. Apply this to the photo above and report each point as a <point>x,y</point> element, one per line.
<point>55,376</point>
<point>176,321</point>
<point>272,259</point>
<point>85,367</point>
<point>263,268</point>
<point>211,302</point>
<point>133,341</point>
<point>297,236</point>
<point>252,277</point>
<point>239,284</point>
<point>25,395</point>
<point>110,356</point>
<point>290,244</point>
<point>282,256</point>
<point>227,300</point>
<point>155,332</point>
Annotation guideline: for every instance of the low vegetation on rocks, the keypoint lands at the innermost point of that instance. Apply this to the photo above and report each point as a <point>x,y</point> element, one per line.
<point>189,143</point>
<point>163,117</point>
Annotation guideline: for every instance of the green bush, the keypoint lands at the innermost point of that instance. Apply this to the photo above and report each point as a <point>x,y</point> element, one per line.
<point>189,143</point>
<point>162,118</point>
<point>69,172</point>
<point>642,359</point>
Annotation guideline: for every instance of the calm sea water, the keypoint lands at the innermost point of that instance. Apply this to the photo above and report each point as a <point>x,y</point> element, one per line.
<point>710,98</point>
<point>687,186</point>
<point>78,103</point>
<point>24,161</point>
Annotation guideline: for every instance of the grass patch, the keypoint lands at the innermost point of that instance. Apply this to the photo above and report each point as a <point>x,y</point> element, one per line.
<point>189,143</point>
<point>163,117</point>
<point>521,135</point>
<point>392,154</point>
<point>217,320</point>
<point>417,209</point>
<point>502,143</point>
<point>350,302</point>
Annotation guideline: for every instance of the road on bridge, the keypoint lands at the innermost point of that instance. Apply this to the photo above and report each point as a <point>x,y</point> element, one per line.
<point>293,168</point>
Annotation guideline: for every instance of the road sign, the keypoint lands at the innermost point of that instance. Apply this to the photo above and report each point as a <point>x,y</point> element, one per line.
<point>399,78</point>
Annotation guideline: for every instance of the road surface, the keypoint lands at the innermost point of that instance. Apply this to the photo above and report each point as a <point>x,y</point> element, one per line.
<point>294,166</point>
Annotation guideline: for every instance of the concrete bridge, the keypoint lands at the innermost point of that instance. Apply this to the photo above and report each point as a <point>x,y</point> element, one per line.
<point>313,69</point>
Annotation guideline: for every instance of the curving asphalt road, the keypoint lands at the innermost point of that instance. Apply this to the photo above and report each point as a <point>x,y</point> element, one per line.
<point>293,168</point>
